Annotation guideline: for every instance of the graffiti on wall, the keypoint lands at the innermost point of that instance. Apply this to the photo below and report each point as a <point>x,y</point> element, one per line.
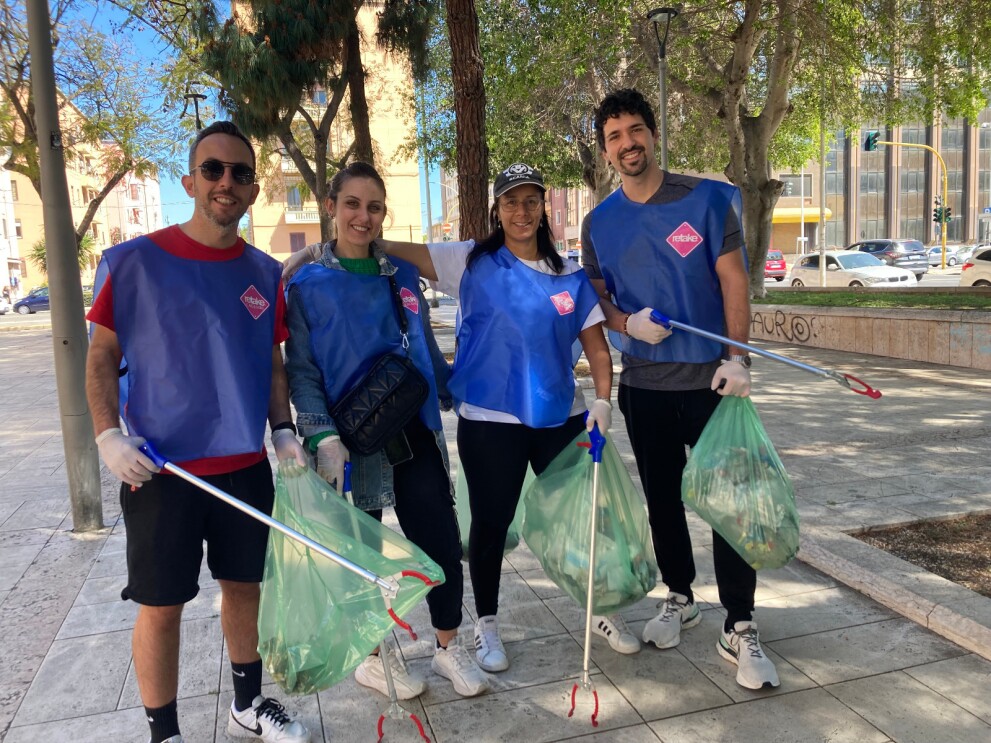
<point>779,326</point>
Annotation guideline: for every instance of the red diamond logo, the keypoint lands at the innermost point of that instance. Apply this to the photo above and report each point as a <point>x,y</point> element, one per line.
<point>410,301</point>
<point>564,303</point>
<point>255,302</point>
<point>684,239</point>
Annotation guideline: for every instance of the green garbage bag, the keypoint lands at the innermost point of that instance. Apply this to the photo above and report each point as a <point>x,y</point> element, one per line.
<point>463,508</point>
<point>317,620</point>
<point>735,481</point>
<point>557,527</point>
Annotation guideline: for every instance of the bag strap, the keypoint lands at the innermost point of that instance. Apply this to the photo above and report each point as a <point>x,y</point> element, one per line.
<point>397,303</point>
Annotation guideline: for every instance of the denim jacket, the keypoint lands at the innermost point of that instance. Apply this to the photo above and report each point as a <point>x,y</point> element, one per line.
<point>371,476</point>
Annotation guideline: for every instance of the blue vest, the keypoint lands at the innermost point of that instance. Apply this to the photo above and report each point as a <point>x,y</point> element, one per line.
<point>352,321</point>
<point>198,339</point>
<point>664,256</point>
<point>514,343</point>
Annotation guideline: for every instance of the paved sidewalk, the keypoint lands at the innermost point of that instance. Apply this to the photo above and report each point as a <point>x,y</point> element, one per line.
<point>852,668</point>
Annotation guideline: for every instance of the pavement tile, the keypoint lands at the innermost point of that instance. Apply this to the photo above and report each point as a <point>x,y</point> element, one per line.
<point>100,590</point>
<point>964,680</point>
<point>632,734</point>
<point>350,712</point>
<point>811,716</point>
<point>910,712</point>
<point>817,611</point>
<point>851,491</point>
<point>96,619</point>
<point>39,512</point>
<point>794,578</point>
<point>14,561</point>
<point>522,615</point>
<point>864,650</point>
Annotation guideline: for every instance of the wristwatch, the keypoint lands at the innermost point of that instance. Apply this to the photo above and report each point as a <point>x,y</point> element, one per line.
<point>745,360</point>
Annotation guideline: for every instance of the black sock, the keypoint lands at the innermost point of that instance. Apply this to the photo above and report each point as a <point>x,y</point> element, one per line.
<point>247,683</point>
<point>163,721</point>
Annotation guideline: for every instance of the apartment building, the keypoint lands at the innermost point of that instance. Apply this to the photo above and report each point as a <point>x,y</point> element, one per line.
<point>10,230</point>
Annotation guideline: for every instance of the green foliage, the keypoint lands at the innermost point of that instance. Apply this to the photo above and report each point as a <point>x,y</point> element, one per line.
<point>404,26</point>
<point>913,299</point>
<point>84,253</point>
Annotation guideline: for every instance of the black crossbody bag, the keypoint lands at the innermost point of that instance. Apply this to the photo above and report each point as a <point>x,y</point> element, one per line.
<point>388,397</point>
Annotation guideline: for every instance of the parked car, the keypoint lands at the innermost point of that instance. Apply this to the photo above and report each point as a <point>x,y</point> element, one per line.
<point>847,268</point>
<point>977,270</point>
<point>910,254</point>
<point>774,266</point>
<point>4,306</point>
<point>953,255</point>
<point>37,299</point>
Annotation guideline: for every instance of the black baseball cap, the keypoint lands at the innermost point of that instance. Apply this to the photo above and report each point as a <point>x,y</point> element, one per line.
<point>515,175</point>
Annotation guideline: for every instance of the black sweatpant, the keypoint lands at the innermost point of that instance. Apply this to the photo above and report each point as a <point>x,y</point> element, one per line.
<point>495,457</point>
<point>661,424</point>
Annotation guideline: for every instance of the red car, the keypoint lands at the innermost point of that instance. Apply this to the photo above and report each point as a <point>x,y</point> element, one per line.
<point>774,267</point>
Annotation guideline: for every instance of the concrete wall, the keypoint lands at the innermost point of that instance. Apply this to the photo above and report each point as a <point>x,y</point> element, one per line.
<point>954,337</point>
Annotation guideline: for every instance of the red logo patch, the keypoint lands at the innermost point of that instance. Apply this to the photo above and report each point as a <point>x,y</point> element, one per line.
<point>255,302</point>
<point>684,239</point>
<point>410,301</point>
<point>564,303</point>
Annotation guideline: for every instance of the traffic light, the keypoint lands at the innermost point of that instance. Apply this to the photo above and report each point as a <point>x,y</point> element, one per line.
<point>946,214</point>
<point>938,215</point>
<point>870,142</point>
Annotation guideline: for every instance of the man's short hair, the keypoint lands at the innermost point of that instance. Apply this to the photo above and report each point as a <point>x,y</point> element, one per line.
<point>622,101</point>
<point>218,127</point>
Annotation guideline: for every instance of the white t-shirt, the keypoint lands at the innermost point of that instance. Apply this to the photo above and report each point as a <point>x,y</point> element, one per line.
<point>450,261</point>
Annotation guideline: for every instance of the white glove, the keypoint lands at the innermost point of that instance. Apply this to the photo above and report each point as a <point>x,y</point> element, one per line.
<point>736,377</point>
<point>640,326</point>
<point>287,446</point>
<point>599,412</point>
<point>121,455</point>
<point>331,456</point>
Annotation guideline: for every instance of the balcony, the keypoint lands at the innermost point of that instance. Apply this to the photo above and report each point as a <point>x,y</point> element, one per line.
<point>302,216</point>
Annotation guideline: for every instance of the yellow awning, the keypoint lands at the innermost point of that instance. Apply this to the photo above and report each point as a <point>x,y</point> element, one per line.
<point>793,214</point>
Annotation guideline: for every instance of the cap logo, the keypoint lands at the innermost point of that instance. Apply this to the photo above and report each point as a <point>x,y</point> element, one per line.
<point>684,239</point>
<point>564,303</point>
<point>255,303</point>
<point>519,169</point>
<point>410,301</point>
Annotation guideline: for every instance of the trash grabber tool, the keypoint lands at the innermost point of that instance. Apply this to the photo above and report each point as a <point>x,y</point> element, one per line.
<point>598,443</point>
<point>395,711</point>
<point>390,588</point>
<point>838,377</point>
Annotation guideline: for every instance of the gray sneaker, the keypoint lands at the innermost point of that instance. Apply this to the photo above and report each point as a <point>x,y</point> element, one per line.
<point>677,613</point>
<point>454,663</point>
<point>741,646</point>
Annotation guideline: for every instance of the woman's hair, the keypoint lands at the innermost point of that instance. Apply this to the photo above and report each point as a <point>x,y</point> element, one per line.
<point>497,238</point>
<point>357,169</point>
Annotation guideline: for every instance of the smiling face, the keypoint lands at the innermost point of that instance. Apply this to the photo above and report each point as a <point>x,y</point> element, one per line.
<point>359,213</point>
<point>219,204</point>
<point>629,144</point>
<point>519,221</point>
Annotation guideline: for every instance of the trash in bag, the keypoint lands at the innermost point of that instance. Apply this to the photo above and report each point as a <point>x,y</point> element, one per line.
<point>557,527</point>
<point>463,508</point>
<point>318,620</point>
<point>735,481</point>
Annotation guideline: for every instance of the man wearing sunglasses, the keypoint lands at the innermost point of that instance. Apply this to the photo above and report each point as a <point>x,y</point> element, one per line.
<point>199,316</point>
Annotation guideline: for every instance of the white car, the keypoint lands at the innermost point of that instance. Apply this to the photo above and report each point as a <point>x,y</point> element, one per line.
<point>850,268</point>
<point>4,306</point>
<point>977,270</point>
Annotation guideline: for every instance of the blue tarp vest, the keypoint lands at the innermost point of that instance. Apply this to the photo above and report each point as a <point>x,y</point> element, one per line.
<point>664,256</point>
<point>352,321</point>
<point>198,338</point>
<point>514,344</point>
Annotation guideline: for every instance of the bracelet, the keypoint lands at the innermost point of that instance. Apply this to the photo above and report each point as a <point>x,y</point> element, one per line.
<point>285,425</point>
<point>106,435</point>
<point>626,320</point>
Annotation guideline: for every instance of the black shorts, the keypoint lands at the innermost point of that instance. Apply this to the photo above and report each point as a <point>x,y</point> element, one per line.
<point>167,521</point>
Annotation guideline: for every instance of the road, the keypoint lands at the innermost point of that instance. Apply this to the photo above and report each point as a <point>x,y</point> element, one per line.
<point>934,278</point>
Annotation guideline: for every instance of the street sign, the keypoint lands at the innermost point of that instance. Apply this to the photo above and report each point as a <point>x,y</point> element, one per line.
<point>447,228</point>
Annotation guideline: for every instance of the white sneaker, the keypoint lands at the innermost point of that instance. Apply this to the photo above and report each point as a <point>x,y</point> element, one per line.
<point>678,613</point>
<point>741,646</point>
<point>371,673</point>
<point>173,739</point>
<point>266,720</point>
<point>489,651</point>
<point>454,663</point>
<point>614,629</point>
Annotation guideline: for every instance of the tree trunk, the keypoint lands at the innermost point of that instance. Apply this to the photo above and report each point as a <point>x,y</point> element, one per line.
<point>758,209</point>
<point>467,75</point>
<point>358,103</point>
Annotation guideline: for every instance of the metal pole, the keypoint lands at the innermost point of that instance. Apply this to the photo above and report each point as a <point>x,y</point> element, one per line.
<point>663,75</point>
<point>65,289</point>
<point>426,168</point>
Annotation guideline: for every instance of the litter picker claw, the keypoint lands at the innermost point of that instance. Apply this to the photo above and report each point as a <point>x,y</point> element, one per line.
<point>847,380</point>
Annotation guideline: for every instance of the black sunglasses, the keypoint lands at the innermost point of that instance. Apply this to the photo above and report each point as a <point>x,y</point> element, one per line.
<point>213,170</point>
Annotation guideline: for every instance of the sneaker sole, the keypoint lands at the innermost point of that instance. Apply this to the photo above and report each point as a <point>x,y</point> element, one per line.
<point>460,689</point>
<point>677,641</point>
<point>728,654</point>
<point>401,693</point>
<point>622,651</point>
<point>492,667</point>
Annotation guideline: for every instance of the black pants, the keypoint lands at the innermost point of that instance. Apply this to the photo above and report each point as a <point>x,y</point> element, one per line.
<point>661,424</point>
<point>425,509</point>
<point>495,458</point>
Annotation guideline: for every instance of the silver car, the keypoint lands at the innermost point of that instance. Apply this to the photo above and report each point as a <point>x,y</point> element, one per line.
<point>910,254</point>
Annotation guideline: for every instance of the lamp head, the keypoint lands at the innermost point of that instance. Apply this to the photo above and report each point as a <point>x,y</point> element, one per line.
<point>661,15</point>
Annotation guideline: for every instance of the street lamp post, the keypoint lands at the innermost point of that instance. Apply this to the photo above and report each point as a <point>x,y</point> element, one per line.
<point>665,16</point>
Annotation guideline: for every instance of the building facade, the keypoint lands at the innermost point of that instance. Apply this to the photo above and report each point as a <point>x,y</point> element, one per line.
<point>10,229</point>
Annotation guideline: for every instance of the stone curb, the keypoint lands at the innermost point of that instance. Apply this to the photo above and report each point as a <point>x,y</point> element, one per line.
<point>933,602</point>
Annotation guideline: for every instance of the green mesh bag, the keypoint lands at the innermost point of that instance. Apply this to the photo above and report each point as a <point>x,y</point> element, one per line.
<point>557,527</point>
<point>735,481</point>
<point>317,620</point>
<point>463,507</point>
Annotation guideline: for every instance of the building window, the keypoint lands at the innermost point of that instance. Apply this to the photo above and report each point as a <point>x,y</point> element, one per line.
<point>984,175</point>
<point>13,191</point>
<point>294,200</point>
<point>872,191</point>
<point>794,184</point>
<point>913,219</point>
<point>134,192</point>
<point>17,228</point>
<point>953,156</point>
<point>835,192</point>
<point>320,97</point>
<point>297,241</point>
<point>557,216</point>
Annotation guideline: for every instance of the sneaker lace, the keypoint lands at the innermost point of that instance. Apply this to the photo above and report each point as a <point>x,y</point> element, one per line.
<point>274,712</point>
<point>488,638</point>
<point>751,638</point>
<point>671,607</point>
<point>459,656</point>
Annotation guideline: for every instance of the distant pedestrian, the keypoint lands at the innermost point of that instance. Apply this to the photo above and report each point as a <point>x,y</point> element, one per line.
<point>200,316</point>
<point>6,293</point>
<point>674,243</point>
